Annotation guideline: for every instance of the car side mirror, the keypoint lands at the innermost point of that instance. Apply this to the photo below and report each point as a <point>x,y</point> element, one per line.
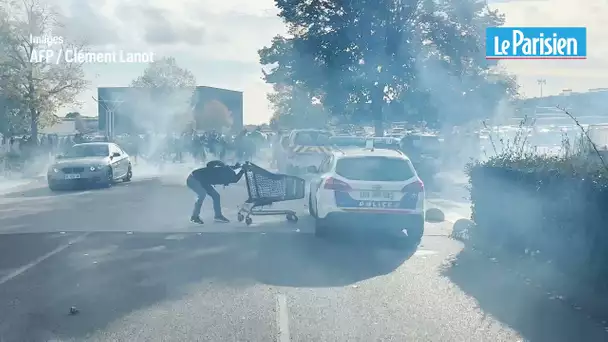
<point>115,154</point>
<point>312,169</point>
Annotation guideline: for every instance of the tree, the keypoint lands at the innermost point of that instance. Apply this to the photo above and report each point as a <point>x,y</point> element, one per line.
<point>12,119</point>
<point>163,98</point>
<point>72,115</point>
<point>295,107</point>
<point>165,74</point>
<point>371,60</point>
<point>214,116</point>
<point>40,87</point>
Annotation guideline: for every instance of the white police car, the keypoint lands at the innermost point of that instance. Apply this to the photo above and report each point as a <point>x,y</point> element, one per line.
<point>377,189</point>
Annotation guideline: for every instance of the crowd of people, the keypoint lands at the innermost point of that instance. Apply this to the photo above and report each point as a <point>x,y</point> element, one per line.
<point>161,149</point>
<point>18,153</point>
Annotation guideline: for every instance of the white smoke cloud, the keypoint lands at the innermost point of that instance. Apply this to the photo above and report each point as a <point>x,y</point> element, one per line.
<point>216,40</point>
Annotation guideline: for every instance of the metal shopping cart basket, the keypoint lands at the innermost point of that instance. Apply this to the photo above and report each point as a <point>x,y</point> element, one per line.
<point>265,188</point>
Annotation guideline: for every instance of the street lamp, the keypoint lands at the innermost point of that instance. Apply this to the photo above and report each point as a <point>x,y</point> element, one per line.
<point>110,110</point>
<point>541,82</point>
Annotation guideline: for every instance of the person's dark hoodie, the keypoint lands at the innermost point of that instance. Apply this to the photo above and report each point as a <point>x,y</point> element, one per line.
<point>218,173</point>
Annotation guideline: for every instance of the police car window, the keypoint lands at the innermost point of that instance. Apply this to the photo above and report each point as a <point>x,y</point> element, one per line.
<point>379,169</point>
<point>312,138</point>
<point>322,165</point>
<point>285,141</point>
<point>325,166</point>
<point>430,142</point>
<point>422,142</point>
<point>347,141</point>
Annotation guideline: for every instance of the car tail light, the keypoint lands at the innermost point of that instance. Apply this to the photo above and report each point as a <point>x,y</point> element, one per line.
<point>417,186</point>
<point>336,185</point>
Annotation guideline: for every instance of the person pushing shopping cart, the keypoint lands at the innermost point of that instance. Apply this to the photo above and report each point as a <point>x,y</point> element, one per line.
<point>202,180</point>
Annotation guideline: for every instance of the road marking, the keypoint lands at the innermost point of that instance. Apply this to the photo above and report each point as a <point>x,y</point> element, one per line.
<point>175,237</point>
<point>424,252</point>
<point>282,319</point>
<point>13,197</point>
<point>24,269</point>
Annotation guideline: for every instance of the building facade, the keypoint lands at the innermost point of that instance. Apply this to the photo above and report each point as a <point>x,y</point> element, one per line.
<point>137,110</point>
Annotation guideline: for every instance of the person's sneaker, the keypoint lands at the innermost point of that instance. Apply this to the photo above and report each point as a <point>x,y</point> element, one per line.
<point>221,219</point>
<point>195,219</point>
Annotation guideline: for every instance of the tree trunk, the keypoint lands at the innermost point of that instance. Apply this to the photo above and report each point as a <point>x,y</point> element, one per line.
<point>378,128</point>
<point>34,114</point>
<point>34,125</point>
<point>377,107</point>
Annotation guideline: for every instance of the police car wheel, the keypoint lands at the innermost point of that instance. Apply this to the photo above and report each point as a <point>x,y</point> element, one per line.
<point>416,232</point>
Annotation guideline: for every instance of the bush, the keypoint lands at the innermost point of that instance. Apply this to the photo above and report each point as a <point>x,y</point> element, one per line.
<point>553,206</point>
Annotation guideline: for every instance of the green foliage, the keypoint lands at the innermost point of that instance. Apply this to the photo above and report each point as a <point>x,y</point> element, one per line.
<point>12,118</point>
<point>372,60</point>
<point>165,92</point>
<point>72,115</point>
<point>214,116</point>
<point>553,205</point>
<point>39,88</point>
<point>294,107</point>
<point>577,155</point>
<point>165,74</point>
<point>558,212</point>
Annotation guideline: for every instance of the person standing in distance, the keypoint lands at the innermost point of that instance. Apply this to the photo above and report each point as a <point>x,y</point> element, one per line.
<point>202,180</point>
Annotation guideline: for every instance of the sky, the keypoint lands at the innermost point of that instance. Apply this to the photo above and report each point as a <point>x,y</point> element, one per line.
<point>578,75</point>
<point>218,42</point>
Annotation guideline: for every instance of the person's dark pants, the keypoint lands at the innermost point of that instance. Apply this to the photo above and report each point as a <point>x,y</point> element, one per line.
<point>202,190</point>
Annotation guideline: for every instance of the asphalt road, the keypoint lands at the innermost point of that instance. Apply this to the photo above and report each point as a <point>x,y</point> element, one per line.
<point>136,270</point>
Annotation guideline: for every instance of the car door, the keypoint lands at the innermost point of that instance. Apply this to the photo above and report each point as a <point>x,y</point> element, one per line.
<point>124,161</point>
<point>116,161</point>
<point>318,178</point>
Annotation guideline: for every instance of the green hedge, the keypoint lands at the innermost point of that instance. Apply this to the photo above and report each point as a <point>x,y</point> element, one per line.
<point>556,206</point>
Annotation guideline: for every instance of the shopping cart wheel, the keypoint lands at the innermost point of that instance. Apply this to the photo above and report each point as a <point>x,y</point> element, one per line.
<point>240,217</point>
<point>248,221</point>
<point>292,218</point>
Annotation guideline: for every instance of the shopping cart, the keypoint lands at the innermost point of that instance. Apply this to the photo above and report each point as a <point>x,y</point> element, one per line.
<point>265,188</point>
